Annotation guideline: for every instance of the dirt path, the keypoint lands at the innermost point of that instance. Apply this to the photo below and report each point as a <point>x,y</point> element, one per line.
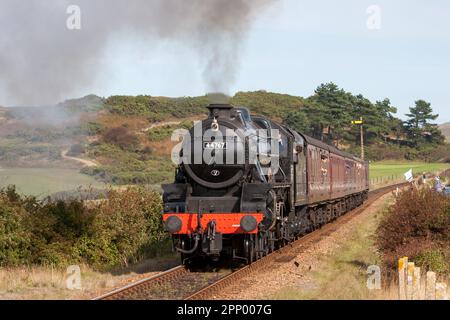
<point>298,272</point>
<point>162,124</point>
<point>170,123</point>
<point>84,162</point>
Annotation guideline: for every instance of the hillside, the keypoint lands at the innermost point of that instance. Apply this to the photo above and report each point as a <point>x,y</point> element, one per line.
<point>445,128</point>
<point>2,114</point>
<point>127,139</point>
<point>35,137</point>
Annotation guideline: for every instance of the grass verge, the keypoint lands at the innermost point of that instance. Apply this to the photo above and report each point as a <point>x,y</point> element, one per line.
<point>45,283</point>
<point>342,274</point>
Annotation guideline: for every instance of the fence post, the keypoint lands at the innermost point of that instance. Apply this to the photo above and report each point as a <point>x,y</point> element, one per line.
<point>430,291</point>
<point>441,291</point>
<point>416,284</point>
<point>410,281</point>
<point>402,263</point>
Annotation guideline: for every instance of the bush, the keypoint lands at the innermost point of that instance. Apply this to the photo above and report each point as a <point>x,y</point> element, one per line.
<point>121,137</point>
<point>14,238</point>
<point>157,108</point>
<point>126,167</point>
<point>417,226</point>
<point>165,132</point>
<point>120,232</point>
<point>122,229</point>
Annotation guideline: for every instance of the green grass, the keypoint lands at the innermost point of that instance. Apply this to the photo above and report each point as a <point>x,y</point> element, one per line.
<point>41,182</point>
<point>387,169</point>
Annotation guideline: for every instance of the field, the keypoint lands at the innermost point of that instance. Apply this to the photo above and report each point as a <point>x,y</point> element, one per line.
<point>41,182</point>
<point>389,169</point>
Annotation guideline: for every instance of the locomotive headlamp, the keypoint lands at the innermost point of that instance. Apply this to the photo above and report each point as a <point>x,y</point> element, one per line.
<point>265,159</point>
<point>173,224</point>
<point>215,126</point>
<point>249,223</point>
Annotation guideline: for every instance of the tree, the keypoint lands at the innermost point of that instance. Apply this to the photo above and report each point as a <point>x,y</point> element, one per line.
<point>418,124</point>
<point>298,120</point>
<point>420,114</point>
<point>386,120</point>
<point>332,107</point>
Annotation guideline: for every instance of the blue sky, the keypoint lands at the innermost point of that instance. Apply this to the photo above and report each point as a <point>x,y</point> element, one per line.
<point>295,45</point>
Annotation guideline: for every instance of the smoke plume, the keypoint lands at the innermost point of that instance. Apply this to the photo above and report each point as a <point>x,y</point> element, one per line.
<point>42,61</point>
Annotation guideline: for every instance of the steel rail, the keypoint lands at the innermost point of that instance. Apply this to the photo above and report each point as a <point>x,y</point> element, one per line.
<point>144,284</point>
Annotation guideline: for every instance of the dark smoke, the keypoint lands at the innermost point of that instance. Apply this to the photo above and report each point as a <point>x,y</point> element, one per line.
<point>41,61</point>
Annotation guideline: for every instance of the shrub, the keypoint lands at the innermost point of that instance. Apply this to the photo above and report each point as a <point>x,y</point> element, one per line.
<point>123,226</point>
<point>14,238</point>
<point>121,137</point>
<point>122,229</point>
<point>436,260</point>
<point>417,226</point>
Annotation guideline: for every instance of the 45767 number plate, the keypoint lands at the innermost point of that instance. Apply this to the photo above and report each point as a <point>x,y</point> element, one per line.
<point>215,145</point>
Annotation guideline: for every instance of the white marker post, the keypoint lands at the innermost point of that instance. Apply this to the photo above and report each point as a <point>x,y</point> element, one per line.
<point>430,291</point>
<point>410,281</point>
<point>402,263</point>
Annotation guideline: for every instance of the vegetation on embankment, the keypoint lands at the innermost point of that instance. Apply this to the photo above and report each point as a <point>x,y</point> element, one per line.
<point>417,226</point>
<point>125,228</point>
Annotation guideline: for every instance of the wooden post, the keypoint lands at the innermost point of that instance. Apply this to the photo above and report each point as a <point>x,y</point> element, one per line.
<point>416,284</point>
<point>410,281</point>
<point>430,291</point>
<point>362,141</point>
<point>441,291</point>
<point>402,263</point>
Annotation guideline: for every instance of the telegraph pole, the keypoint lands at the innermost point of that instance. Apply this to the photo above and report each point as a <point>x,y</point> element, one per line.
<point>360,122</point>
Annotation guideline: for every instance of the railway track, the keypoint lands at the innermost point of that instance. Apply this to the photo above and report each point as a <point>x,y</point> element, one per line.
<point>181,284</point>
<point>174,284</point>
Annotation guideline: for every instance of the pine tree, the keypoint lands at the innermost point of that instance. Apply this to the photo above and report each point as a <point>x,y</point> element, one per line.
<point>418,124</point>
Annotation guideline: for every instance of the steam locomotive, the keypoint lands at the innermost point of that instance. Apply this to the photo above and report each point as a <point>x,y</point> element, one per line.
<point>246,186</point>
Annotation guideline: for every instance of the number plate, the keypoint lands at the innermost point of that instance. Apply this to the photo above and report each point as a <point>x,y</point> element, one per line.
<point>215,145</point>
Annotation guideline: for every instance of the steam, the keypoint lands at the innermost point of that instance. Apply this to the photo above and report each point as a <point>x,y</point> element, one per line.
<point>42,61</point>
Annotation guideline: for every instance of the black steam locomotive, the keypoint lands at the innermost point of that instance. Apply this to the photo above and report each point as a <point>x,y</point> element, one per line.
<point>246,186</point>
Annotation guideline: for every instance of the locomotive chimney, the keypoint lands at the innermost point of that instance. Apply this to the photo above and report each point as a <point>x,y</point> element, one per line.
<point>220,110</point>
